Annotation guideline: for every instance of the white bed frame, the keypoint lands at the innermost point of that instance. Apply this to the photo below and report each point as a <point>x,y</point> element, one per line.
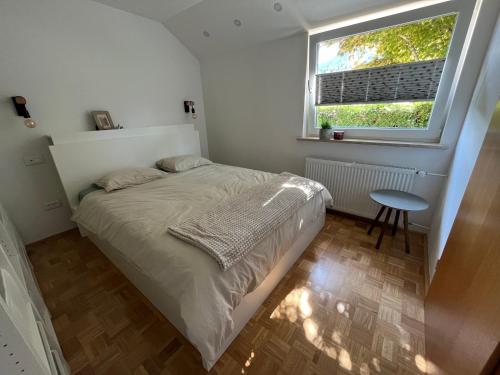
<point>83,157</point>
<point>245,310</point>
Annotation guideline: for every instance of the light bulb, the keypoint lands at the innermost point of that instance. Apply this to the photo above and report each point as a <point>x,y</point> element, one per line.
<point>30,123</point>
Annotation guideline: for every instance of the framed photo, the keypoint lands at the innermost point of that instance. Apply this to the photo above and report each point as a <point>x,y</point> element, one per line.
<point>103,120</point>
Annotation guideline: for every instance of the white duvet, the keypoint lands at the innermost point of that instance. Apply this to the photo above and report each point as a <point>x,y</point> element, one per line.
<point>135,221</point>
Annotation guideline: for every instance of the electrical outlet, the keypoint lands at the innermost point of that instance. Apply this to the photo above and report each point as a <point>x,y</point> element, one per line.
<point>30,160</point>
<point>47,206</point>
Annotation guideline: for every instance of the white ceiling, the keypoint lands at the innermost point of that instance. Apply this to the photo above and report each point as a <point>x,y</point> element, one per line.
<point>187,19</point>
<point>159,10</point>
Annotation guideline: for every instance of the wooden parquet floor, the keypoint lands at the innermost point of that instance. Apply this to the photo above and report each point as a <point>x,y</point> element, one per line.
<point>342,309</point>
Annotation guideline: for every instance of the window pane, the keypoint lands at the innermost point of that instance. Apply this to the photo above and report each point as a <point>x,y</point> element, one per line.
<point>427,39</point>
<point>423,40</point>
<point>381,115</point>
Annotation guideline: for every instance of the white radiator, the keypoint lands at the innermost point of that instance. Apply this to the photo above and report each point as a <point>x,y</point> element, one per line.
<point>350,183</point>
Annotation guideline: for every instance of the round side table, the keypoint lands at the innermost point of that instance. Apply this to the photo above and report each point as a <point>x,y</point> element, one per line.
<point>399,201</point>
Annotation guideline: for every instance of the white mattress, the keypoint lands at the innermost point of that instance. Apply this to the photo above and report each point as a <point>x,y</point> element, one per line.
<point>135,221</point>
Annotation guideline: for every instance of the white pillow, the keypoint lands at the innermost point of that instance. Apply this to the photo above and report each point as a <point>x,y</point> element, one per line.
<point>128,177</point>
<point>181,163</point>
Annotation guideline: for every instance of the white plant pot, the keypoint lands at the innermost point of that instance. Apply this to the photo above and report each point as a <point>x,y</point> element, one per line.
<point>325,134</point>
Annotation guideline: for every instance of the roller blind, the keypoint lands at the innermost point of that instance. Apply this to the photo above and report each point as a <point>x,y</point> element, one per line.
<point>391,83</point>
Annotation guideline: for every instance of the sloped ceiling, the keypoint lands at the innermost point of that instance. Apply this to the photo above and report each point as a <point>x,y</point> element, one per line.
<point>159,10</point>
<point>260,23</point>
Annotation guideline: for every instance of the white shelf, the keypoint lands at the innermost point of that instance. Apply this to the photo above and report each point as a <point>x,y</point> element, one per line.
<point>46,347</point>
<point>97,135</point>
<point>10,250</point>
<point>16,303</point>
<point>28,344</point>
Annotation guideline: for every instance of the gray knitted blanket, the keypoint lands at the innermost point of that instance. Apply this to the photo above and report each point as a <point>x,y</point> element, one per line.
<point>234,227</point>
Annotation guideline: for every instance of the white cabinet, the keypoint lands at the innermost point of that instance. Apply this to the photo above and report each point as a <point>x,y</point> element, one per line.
<point>28,344</point>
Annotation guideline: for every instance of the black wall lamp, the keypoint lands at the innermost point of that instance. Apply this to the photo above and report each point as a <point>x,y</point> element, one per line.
<point>189,107</point>
<point>20,105</point>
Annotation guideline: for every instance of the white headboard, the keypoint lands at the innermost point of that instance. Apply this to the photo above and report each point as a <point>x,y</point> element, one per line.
<point>82,158</point>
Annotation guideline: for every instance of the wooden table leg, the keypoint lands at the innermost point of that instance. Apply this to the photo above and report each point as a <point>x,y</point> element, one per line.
<point>375,221</point>
<point>407,238</point>
<point>384,225</point>
<point>396,220</point>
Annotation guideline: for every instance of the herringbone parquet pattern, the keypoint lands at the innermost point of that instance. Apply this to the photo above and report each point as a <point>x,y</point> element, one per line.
<point>343,308</point>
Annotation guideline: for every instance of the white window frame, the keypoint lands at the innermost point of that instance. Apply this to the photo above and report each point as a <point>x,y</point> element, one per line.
<point>432,134</point>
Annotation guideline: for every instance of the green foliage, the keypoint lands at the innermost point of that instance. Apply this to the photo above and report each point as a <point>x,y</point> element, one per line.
<point>324,121</point>
<point>423,40</point>
<point>383,115</point>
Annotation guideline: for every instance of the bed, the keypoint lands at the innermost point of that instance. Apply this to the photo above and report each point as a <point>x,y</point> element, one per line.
<point>130,227</point>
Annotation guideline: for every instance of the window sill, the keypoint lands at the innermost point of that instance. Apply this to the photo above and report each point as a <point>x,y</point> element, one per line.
<point>376,142</point>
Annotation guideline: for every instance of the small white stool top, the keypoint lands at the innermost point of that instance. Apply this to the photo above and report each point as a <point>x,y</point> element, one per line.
<point>399,200</point>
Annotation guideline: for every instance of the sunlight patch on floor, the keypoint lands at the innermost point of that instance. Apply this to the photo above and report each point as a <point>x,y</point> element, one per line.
<point>295,304</point>
<point>345,360</point>
<point>248,362</point>
<point>310,329</point>
<point>376,364</point>
<point>336,337</point>
<point>364,369</point>
<point>342,309</point>
<point>426,366</point>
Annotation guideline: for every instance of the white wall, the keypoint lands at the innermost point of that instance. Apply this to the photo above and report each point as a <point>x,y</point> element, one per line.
<point>69,57</point>
<point>483,103</point>
<point>255,103</point>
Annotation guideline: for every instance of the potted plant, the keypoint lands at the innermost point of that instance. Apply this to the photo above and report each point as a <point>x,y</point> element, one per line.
<point>325,133</point>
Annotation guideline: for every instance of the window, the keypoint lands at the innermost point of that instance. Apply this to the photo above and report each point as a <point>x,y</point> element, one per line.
<point>387,81</point>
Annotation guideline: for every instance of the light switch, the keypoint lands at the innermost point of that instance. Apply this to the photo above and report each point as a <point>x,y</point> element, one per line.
<point>30,160</point>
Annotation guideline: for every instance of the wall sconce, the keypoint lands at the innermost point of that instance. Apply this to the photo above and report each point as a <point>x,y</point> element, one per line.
<point>189,107</point>
<point>20,104</point>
